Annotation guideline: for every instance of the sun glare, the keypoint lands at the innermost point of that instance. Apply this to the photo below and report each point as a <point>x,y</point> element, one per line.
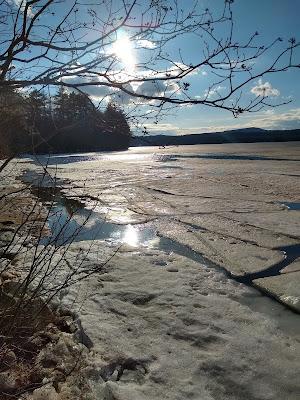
<point>131,236</point>
<point>123,49</point>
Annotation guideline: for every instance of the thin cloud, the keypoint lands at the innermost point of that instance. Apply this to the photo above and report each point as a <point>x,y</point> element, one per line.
<point>146,44</point>
<point>265,89</point>
<point>157,88</point>
<point>96,91</point>
<point>265,120</point>
<point>20,4</point>
<point>209,93</point>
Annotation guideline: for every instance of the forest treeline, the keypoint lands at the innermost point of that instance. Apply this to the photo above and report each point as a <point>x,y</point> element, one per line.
<point>65,122</point>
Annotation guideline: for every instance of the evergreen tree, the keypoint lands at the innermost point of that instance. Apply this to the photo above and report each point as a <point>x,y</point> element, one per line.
<point>115,121</point>
<point>63,110</point>
<point>37,107</point>
<point>75,126</point>
<point>13,127</point>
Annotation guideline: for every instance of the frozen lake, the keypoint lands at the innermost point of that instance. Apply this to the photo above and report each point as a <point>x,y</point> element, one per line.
<point>189,223</point>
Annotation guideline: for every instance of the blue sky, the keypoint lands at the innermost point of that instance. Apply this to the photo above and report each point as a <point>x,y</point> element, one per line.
<point>132,55</point>
<point>271,18</point>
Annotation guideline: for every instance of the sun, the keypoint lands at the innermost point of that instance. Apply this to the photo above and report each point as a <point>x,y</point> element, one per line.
<point>123,49</point>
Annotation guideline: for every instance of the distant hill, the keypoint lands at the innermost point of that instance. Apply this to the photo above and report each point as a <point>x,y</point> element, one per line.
<point>246,135</point>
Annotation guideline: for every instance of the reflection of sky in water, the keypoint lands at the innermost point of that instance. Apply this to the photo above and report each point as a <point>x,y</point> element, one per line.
<point>291,205</point>
<point>83,224</point>
<point>70,221</point>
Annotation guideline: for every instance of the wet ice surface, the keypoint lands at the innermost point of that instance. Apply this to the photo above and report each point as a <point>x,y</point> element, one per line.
<point>200,334</point>
<point>175,157</point>
<point>60,159</point>
<point>292,205</point>
<point>78,224</point>
<point>70,222</point>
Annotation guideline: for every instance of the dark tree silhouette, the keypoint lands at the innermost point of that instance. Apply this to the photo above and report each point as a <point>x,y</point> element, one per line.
<point>12,121</point>
<point>116,127</point>
<point>67,122</point>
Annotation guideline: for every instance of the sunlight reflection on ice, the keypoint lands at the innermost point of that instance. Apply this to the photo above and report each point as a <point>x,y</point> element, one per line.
<point>131,236</point>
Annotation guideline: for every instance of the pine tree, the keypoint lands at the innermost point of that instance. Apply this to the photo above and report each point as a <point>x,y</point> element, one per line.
<point>115,121</point>
<point>63,111</point>
<point>37,107</point>
<point>13,127</point>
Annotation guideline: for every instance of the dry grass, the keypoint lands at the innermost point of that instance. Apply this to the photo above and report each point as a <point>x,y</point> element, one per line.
<point>25,329</point>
